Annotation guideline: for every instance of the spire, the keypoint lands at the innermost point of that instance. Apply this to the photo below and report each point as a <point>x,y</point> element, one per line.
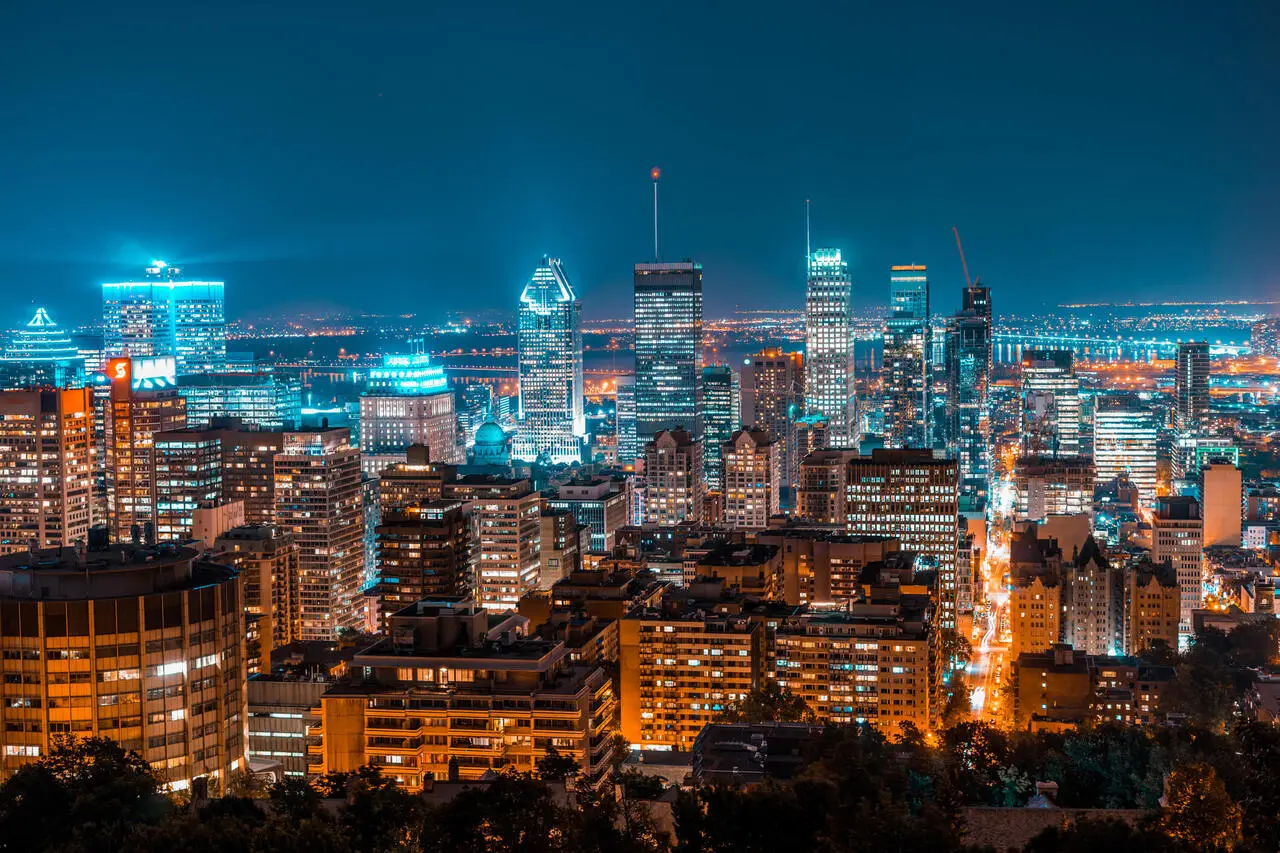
<point>41,320</point>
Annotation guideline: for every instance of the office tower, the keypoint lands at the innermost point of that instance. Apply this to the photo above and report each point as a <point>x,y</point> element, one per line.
<point>828,380</point>
<point>625,421</point>
<point>267,559</point>
<point>551,422</point>
<point>562,542</point>
<point>165,314</point>
<point>820,494</point>
<point>1046,486</point>
<point>905,375</point>
<point>752,479</point>
<point>601,504</point>
<point>1124,444</point>
<point>506,701</point>
<point>1223,495</point>
<point>915,497</point>
<point>424,551</point>
<point>46,475</point>
<point>506,513</point>
<point>143,402</point>
<point>1177,536</point>
<point>266,401</point>
<point>673,490</point>
<point>1152,604</point>
<point>721,404</point>
<point>773,400</point>
<point>825,566</point>
<point>1192,451</point>
<point>407,402</point>
<point>1264,336</point>
<point>1191,387</point>
<point>318,500</point>
<point>1050,403</point>
<point>41,354</point>
<point>188,477</point>
<point>968,364</point>
<point>151,642</point>
<point>670,683</point>
<point>668,317</point>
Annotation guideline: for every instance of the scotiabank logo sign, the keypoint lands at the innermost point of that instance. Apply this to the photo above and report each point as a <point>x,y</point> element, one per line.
<point>143,373</point>
<point>118,370</point>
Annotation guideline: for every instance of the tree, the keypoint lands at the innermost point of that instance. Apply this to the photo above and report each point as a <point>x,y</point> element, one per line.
<point>955,648</point>
<point>554,767</point>
<point>1197,813</point>
<point>1095,836</point>
<point>770,703</point>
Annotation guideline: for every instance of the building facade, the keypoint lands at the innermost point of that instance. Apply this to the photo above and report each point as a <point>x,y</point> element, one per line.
<point>674,488</point>
<point>752,479</point>
<point>828,380</point>
<point>773,400</point>
<point>1124,444</point>
<point>166,315</point>
<point>1177,536</point>
<point>1191,387</point>
<point>721,398</point>
<point>905,376</point>
<point>1050,403</point>
<point>551,421</point>
<point>668,320</point>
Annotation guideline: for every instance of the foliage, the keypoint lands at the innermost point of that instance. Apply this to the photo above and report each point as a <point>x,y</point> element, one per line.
<point>1198,813</point>
<point>770,703</point>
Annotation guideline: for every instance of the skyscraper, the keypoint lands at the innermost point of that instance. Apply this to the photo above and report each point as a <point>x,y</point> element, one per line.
<point>45,474</point>
<point>773,400</point>
<point>551,421</point>
<point>41,353</point>
<point>1124,442</point>
<point>674,488</point>
<point>828,381</point>
<point>721,406</point>
<point>1177,536</point>
<point>906,358</point>
<point>624,421</point>
<point>1050,404</point>
<point>752,479</point>
<point>408,402</point>
<point>188,476</point>
<point>668,318</point>
<point>1191,387</point>
<point>166,314</point>
<point>968,362</point>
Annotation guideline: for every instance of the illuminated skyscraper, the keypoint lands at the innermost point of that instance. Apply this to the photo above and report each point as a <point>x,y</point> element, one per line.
<point>625,421</point>
<point>257,400</point>
<point>906,358</point>
<point>828,381</point>
<point>752,470</point>
<point>968,362</point>
<point>408,402</point>
<point>1124,442</point>
<point>1050,404</point>
<point>188,476</point>
<point>1191,387</point>
<point>45,475</point>
<point>773,400</point>
<point>166,315</point>
<point>143,402</point>
<point>674,487</point>
<point>668,317</point>
<point>551,421</point>
<point>721,400</point>
<point>41,353</point>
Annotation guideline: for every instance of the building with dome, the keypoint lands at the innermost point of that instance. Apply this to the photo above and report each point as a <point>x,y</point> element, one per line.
<point>492,447</point>
<point>41,353</point>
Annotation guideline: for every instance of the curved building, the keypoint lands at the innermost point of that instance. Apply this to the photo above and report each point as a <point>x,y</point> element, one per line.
<point>141,645</point>
<point>41,353</point>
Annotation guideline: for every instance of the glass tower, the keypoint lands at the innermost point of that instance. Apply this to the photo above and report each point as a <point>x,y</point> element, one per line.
<point>906,358</point>
<point>1050,403</point>
<point>722,402</point>
<point>625,421</point>
<point>968,360</point>
<point>551,421</point>
<point>166,315</point>
<point>668,317</point>
<point>1191,387</point>
<point>828,382</point>
<point>1124,442</point>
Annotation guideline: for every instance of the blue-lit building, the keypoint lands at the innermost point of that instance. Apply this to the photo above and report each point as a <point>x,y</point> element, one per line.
<point>905,376</point>
<point>551,424</point>
<point>41,353</point>
<point>968,376</point>
<point>668,378</point>
<point>165,314</point>
<point>260,400</point>
<point>624,421</point>
<point>722,403</point>
<point>408,401</point>
<point>828,364</point>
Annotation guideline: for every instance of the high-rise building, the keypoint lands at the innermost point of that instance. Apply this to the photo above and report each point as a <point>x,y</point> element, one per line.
<point>143,402</point>
<point>1124,443</point>
<point>267,401</point>
<point>551,422</point>
<point>905,375</point>
<point>820,494</point>
<point>1046,486</point>
<point>1191,387</point>
<point>563,540</point>
<point>1264,336</point>
<point>408,402</point>
<point>424,551</point>
<point>1050,403</point>
<point>976,299</point>
<point>318,500</point>
<point>721,402</point>
<point>1222,492</point>
<point>968,368</point>
<point>506,515</point>
<point>828,380</point>
<point>249,472</point>
<point>600,504</point>
<point>1177,536</point>
<point>46,474</point>
<point>773,400</point>
<point>165,314</point>
<point>914,496</point>
<point>825,566</point>
<point>752,479</point>
<point>625,421</point>
<point>41,354</point>
<point>1093,602</point>
<point>668,318</point>
<point>151,642</point>
<point>188,477</point>
<point>674,489</point>
<point>267,559</point>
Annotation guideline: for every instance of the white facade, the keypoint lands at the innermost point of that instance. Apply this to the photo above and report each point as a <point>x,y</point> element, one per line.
<point>551,419</point>
<point>828,385</point>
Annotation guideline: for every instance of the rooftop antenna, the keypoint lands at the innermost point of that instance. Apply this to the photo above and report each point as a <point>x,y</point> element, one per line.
<point>808,245</point>
<point>655,173</point>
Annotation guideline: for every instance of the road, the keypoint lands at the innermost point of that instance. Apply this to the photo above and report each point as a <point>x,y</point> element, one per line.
<point>988,668</point>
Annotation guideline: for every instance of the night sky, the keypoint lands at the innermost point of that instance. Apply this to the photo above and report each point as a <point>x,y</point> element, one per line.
<point>419,156</point>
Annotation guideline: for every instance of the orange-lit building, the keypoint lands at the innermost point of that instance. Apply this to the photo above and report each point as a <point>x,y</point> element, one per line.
<point>823,566</point>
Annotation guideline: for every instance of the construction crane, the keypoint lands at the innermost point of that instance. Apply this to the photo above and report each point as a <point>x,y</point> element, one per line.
<point>968,282</point>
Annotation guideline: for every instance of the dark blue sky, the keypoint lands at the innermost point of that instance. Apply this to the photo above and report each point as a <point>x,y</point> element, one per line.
<point>420,156</point>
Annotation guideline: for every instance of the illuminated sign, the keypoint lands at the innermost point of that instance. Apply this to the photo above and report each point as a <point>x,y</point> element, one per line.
<point>150,374</point>
<point>118,370</point>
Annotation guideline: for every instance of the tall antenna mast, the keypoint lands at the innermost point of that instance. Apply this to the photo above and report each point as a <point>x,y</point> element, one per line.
<point>808,245</point>
<point>655,173</point>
